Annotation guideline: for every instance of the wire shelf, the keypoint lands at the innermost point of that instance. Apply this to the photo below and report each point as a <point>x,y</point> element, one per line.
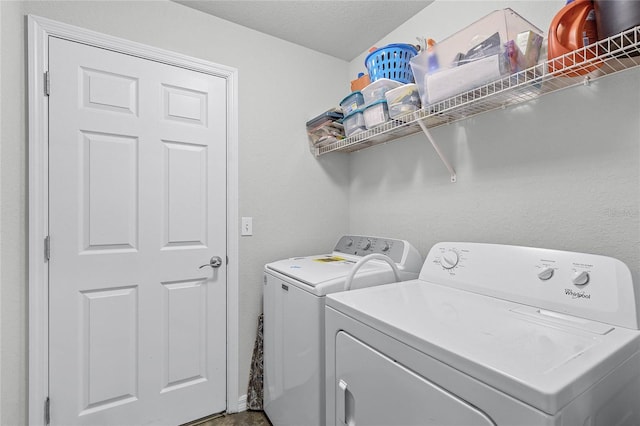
<point>605,57</point>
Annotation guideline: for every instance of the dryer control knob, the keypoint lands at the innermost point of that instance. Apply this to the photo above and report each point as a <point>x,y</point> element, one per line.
<point>449,259</point>
<point>349,242</point>
<point>385,246</point>
<point>366,245</point>
<point>545,274</point>
<point>580,277</point>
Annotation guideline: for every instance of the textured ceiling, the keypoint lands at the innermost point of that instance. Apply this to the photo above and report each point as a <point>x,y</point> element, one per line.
<point>343,29</point>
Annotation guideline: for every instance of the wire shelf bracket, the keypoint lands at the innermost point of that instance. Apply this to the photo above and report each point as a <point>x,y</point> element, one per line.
<point>443,158</point>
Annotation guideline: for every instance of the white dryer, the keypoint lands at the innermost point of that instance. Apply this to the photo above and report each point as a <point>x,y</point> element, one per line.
<point>488,335</point>
<point>294,294</point>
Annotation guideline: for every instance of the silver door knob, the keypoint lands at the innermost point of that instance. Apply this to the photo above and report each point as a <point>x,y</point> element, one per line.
<point>214,262</point>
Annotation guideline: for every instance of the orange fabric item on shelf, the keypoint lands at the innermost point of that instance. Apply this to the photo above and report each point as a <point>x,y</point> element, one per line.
<point>360,82</point>
<point>573,28</point>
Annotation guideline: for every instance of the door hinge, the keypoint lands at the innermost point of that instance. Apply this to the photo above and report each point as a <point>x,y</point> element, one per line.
<point>47,248</point>
<point>47,83</point>
<point>47,411</point>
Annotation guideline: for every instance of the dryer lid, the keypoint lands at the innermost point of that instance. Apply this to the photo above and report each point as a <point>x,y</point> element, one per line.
<point>542,358</point>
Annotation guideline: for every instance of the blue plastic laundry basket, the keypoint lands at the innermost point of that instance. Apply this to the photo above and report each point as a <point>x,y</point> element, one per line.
<point>392,62</point>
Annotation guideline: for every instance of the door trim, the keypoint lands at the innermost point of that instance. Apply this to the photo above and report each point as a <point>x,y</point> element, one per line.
<point>39,30</point>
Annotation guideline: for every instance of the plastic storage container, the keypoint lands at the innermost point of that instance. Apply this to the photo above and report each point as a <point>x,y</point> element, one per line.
<point>325,128</point>
<point>392,62</point>
<point>354,123</point>
<point>376,90</point>
<point>403,100</point>
<point>482,52</point>
<point>376,113</point>
<point>352,102</point>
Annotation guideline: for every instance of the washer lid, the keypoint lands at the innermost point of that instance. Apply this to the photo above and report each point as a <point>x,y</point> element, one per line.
<point>319,269</point>
<point>542,358</point>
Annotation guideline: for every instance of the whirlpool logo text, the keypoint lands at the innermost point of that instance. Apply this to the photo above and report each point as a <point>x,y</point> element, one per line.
<point>576,294</point>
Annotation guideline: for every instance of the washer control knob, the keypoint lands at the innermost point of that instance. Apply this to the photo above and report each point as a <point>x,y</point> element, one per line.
<point>580,277</point>
<point>366,245</point>
<point>349,242</point>
<point>449,259</point>
<point>546,273</point>
<point>385,246</point>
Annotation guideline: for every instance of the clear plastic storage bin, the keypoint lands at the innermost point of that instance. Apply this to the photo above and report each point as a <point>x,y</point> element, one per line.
<point>352,102</point>
<point>480,53</point>
<point>326,128</point>
<point>354,123</point>
<point>376,113</point>
<point>403,100</point>
<point>376,90</point>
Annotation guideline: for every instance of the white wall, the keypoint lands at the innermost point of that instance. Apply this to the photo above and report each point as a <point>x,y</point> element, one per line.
<point>298,203</point>
<point>560,172</point>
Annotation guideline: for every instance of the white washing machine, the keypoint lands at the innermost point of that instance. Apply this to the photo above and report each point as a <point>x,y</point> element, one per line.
<point>294,294</point>
<point>488,335</point>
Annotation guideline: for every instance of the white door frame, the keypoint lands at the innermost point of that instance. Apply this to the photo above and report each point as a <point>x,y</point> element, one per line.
<point>39,30</point>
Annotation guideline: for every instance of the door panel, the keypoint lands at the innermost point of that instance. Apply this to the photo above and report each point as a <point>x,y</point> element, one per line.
<point>185,105</point>
<point>137,163</point>
<point>109,347</point>
<point>373,389</point>
<point>185,333</point>
<point>109,200</point>
<point>109,91</point>
<point>186,194</point>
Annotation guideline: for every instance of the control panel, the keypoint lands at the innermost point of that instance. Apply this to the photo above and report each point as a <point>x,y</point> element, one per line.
<point>586,285</point>
<point>359,245</point>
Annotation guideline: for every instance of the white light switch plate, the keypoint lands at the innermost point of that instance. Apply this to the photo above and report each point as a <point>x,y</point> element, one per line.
<point>247,226</point>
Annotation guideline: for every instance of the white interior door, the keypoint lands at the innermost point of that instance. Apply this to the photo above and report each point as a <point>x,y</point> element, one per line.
<point>137,196</point>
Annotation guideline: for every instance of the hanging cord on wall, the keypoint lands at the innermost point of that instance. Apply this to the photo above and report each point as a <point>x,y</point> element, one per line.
<point>367,258</point>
